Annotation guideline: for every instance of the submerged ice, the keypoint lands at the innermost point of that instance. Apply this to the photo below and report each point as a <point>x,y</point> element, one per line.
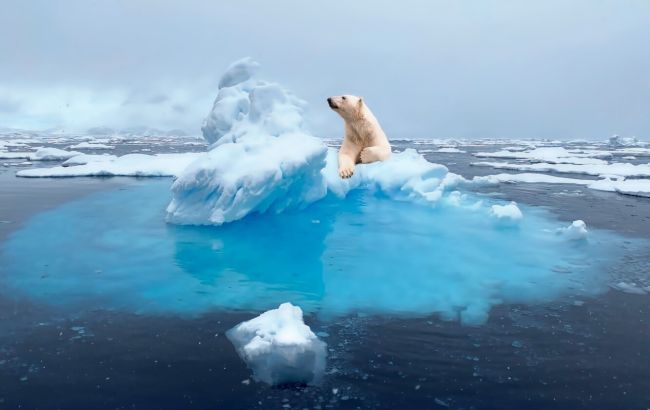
<point>364,253</point>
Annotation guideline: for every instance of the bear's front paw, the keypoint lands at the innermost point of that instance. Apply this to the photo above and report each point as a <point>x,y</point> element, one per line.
<point>368,155</point>
<point>346,171</point>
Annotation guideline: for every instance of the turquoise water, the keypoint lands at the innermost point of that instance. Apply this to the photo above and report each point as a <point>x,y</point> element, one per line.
<point>363,254</point>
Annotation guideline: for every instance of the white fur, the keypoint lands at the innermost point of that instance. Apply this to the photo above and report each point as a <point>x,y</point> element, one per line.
<point>364,141</point>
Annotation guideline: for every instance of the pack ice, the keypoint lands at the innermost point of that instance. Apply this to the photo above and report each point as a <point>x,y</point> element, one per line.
<point>279,347</point>
<point>262,159</point>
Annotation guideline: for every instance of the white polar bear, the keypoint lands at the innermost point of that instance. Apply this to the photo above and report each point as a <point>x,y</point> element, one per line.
<point>364,140</point>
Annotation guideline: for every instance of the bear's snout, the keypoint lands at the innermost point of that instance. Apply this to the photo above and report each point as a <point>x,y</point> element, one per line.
<point>330,102</point>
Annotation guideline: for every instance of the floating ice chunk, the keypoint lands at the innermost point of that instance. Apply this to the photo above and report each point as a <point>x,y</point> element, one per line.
<point>15,155</point>
<point>552,155</point>
<point>636,187</point>
<point>51,154</point>
<point>279,347</point>
<point>623,169</point>
<point>83,159</point>
<point>631,288</point>
<point>618,141</point>
<point>509,212</point>
<point>137,165</point>
<point>91,145</point>
<point>576,231</point>
<point>450,150</point>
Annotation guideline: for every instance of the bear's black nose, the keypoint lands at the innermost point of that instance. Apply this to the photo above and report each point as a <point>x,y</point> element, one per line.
<point>329,100</point>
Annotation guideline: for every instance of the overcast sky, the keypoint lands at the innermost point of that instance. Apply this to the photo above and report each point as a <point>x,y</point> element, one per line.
<point>475,68</point>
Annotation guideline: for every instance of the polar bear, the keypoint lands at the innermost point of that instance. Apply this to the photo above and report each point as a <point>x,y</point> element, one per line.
<point>364,140</point>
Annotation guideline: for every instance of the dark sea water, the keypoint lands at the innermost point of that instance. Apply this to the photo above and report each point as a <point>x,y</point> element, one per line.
<point>587,351</point>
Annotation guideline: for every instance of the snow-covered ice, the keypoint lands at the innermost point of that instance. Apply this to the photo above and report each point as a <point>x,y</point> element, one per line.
<point>552,155</point>
<point>509,212</point>
<point>91,145</point>
<point>83,159</point>
<point>138,165</point>
<point>263,159</point>
<point>576,231</point>
<point>279,347</point>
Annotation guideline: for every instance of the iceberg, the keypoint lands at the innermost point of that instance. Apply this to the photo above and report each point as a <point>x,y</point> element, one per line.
<point>279,347</point>
<point>262,159</point>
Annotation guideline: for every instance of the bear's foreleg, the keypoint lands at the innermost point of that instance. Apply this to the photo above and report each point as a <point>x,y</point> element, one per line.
<point>348,155</point>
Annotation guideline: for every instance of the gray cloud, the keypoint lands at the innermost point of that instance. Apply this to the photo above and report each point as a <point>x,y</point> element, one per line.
<point>427,68</point>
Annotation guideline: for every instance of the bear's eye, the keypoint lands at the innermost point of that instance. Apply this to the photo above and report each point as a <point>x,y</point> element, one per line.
<point>344,97</point>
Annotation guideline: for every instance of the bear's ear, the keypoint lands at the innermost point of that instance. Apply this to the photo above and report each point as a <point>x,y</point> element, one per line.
<point>360,107</point>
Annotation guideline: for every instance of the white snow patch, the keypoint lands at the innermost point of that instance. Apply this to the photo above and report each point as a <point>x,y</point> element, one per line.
<point>618,168</point>
<point>137,165</point>
<point>91,145</point>
<point>83,159</point>
<point>279,347</point>
<point>551,155</point>
<point>509,212</point>
<point>576,231</point>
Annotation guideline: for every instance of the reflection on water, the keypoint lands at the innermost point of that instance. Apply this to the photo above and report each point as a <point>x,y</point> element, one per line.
<point>364,254</point>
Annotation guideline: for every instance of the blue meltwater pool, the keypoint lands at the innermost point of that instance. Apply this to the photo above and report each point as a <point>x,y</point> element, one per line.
<point>364,254</point>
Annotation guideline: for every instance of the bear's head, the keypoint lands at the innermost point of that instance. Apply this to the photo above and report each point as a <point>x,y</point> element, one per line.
<point>348,106</point>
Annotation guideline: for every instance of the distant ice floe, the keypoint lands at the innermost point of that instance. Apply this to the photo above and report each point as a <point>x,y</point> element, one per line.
<point>263,159</point>
<point>84,159</point>
<point>603,170</point>
<point>635,187</point>
<point>138,165</point>
<point>579,159</point>
<point>279,347</point>
<point>552,155</point>
<point>91,145</point>
<point>42,154</point>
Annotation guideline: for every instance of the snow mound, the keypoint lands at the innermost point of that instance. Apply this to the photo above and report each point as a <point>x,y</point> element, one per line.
<point>262,159</point>
<point>136,165</point>
<point>509,212</point>
<point>279,347</point>
<point>576,231</point>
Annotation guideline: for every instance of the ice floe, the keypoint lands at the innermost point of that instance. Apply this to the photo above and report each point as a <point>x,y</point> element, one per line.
<point>279,347</point>
<point>83,159</point>
<point>137,165</point>
<point>635,187</point>
<point>91,145</point>
<point>552,155</point>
